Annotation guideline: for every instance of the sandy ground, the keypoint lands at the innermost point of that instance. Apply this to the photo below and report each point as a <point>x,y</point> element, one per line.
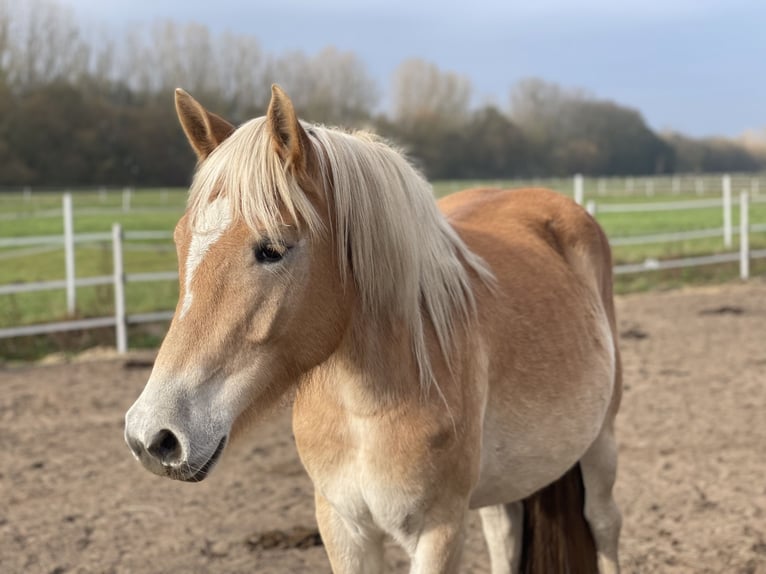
<point>692,482</point>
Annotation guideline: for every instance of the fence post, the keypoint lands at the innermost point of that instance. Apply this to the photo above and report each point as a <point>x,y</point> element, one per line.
<point>71,292</point>
<point>590,207</point>
<point>676,185</point>
<point>726,185</point>
<point>578,188</point>
<point>27,193</point>
<point>121,331</point>
<point>744,240</point>
<point>102,194</point>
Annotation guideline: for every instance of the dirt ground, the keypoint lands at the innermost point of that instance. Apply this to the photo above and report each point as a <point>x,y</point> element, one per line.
<point>692,481</point>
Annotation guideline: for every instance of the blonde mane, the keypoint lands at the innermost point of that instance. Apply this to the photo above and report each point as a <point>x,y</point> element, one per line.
<point>408,263</point>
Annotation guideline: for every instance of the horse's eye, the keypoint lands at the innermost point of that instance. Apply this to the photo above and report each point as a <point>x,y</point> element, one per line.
<point>269,252</point>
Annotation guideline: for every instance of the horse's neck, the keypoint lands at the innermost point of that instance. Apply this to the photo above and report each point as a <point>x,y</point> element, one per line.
<point>373,369</point>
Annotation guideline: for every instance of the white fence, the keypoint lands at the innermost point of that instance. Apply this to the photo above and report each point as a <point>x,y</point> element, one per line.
<point>726,232</point>
<point>699,185</point>
<point>121,319</point>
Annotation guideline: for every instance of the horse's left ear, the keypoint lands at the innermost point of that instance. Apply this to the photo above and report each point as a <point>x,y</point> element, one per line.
<point>204,130</point>
<point>290,139</point>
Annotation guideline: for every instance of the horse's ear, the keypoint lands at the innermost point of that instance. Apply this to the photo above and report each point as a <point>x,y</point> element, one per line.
<point>204,130</point>
<point>290,139</point>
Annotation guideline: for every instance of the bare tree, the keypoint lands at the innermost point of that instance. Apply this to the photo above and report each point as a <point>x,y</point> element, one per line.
<point>332,87</point>
<point>43,43</point>
<point>543,108</point>
<point>421,91</point>
<point>180,56</point>
<point>343,91</point>
<point>103,61</point>
<point>242,79</point>
<point>227,70</point>
<point>292,70</point>
<point>5,44</point>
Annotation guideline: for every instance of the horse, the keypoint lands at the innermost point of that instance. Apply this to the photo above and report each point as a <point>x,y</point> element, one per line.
<point>440,357</point>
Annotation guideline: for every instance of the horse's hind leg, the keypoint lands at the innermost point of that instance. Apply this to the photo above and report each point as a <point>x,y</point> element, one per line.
<point>599,470</point>
<point>503,531</point>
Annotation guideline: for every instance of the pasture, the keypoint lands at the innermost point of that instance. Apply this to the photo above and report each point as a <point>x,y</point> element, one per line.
<point>39,213</point>
<point>691,435</point>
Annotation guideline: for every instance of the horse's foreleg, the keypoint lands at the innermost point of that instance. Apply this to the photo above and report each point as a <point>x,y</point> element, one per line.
<point>599,470</point>
<point>351,550</point>
<point>503,531</point>
<point>439,546</point>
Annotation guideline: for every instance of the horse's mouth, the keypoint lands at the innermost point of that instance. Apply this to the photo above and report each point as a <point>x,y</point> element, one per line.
<point>205,469</point>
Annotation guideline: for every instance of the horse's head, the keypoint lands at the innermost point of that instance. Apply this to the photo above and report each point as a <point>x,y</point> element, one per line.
<point>262,297</point>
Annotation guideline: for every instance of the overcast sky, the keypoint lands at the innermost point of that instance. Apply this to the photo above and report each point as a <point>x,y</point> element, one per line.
<point>697,66</point>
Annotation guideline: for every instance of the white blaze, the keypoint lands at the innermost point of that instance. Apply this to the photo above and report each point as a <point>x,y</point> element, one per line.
<point>210,225</point>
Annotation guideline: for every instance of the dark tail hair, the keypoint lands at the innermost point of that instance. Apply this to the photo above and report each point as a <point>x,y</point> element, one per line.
<point>557,539</point>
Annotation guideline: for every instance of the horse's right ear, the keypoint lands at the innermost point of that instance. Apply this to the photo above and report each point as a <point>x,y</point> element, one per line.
<point>204,130</point>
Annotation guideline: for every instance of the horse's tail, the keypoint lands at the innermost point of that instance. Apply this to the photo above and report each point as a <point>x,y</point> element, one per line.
<point>556,536</point>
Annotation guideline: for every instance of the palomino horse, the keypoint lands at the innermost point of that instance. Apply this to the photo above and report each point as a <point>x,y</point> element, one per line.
<point>442,358</point>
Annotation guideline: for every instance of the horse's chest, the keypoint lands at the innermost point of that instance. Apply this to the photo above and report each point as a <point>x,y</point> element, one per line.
<point>354,465</point>
<point>367,501</point>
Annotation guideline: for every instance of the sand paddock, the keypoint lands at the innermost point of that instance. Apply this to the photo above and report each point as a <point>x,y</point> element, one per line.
<point>692,480</point>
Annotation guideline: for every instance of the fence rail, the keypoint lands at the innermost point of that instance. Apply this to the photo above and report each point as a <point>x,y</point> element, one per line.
<point>661,265</point>
<point>81,238</point>
<point>119,279</point>
<point>669,205</point>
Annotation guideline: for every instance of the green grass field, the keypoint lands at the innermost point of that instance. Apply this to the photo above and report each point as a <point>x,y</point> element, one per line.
<point>156,209</point>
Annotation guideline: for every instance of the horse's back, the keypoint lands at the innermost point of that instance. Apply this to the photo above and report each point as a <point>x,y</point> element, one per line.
<point>537,242</point>
<point>524,218</point>
<point>547,328</point>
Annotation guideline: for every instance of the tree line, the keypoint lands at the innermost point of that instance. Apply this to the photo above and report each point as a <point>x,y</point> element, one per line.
<point>80,108</point>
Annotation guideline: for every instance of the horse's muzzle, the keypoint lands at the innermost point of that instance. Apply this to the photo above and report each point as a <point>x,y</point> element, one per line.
<point>164,455</point>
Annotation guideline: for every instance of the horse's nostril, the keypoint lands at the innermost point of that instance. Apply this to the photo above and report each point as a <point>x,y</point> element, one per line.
<point>165,447</point>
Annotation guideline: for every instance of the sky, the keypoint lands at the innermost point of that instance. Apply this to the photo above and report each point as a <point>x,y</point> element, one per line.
<point>694,66</point>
